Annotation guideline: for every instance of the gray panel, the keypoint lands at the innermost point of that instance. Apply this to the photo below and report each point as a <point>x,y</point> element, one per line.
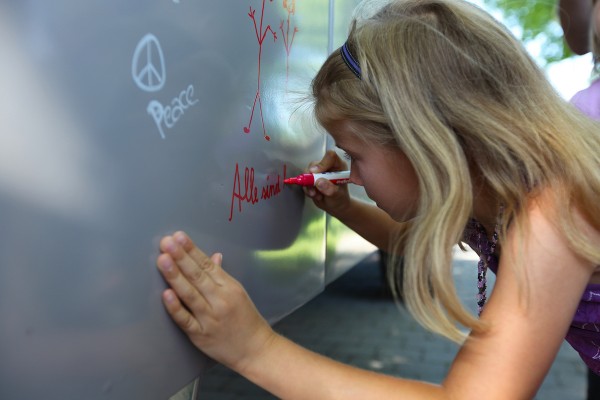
<point>121,121</point>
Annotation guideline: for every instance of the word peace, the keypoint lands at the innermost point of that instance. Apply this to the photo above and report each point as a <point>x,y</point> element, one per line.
<point>170,114</point>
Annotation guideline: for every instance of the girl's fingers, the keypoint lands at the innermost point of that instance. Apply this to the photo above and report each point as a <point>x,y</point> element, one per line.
<point>182,317</point>
<point>188,299</point>
<point>217,259</point>
<point>331,162</point>
<point>326,187</point>
<point>313,166</point>
<point>327,162</point>
<point>310,191</point>
<point>184,289</point>
<point>208,265</point>
<point>196,270</point>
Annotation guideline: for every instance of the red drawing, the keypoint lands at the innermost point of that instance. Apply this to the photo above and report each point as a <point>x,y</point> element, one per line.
<point>270,189</point>
<point>260,37</point>
<point>290,6</point>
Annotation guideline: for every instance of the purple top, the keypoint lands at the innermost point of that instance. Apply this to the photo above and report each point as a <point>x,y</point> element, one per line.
<point>588,100</point>
<point>584,332</point>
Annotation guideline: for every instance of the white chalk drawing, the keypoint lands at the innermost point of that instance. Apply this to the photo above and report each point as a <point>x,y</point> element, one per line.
<point>148,65</point>
<point>149,74</point>
<point>167,116</point>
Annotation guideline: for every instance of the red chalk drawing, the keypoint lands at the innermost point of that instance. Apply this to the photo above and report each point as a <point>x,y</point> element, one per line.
<point>250,195</point>
<point>260,37</point>
<point>290,6</point>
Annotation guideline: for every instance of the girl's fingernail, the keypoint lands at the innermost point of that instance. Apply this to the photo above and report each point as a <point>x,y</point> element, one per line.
<point>314,168</point>
<point>169,296</point>
<point>170,245</point>
<point>180,238</point>
<point>166,265</point>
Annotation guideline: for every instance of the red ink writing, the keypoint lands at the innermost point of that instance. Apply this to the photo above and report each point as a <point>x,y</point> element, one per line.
<point>249,194</point>
<point>271,189</point>
<point>260,37</point>
<point>290,6</point>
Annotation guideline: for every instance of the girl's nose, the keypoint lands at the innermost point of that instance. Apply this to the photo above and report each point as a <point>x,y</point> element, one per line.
<point>355,177</point>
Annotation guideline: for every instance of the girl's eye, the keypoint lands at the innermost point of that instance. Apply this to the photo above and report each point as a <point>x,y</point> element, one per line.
<point>347,156</point>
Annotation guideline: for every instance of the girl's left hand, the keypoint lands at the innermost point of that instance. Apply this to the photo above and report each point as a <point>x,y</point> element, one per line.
<point>209,305</point>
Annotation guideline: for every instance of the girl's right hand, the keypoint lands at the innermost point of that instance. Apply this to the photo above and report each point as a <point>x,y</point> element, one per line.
<point>331,198</point>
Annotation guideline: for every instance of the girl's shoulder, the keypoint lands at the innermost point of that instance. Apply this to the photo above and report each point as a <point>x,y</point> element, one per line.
<point>549,209</point>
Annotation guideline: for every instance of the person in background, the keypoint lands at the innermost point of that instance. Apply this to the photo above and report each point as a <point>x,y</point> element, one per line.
<point>457,136</point>
<point>580,21</point>
<point>575,19</point>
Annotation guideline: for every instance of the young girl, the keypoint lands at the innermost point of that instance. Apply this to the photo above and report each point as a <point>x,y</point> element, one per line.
<point>457,136</point>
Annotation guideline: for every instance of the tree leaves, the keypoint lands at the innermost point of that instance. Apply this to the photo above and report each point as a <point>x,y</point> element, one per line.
<point>536,24</point>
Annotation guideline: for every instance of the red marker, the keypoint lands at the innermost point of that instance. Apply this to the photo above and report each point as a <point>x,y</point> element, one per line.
<point>338,177</point>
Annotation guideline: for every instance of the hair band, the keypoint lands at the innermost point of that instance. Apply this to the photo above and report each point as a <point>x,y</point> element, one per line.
<point>350,61</point>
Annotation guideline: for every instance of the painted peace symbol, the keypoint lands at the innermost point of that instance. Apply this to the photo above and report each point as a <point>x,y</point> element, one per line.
<point>148,65</point>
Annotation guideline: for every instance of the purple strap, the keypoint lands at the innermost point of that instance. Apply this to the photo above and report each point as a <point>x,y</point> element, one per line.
<point>350,61</point>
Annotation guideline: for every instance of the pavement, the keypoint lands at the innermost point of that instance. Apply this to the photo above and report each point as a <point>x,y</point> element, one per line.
<point>356,322</point>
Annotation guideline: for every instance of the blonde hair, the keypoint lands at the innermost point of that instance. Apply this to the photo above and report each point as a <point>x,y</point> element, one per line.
<point>458,94</point>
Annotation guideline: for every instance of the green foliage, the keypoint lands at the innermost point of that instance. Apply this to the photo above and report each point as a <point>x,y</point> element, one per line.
<point>536,24</point>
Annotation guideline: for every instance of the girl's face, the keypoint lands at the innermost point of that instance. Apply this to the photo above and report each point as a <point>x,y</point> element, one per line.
<point>388,177</point>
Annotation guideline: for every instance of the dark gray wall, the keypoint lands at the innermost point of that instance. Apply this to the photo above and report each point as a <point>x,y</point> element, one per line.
<point>121,121</point>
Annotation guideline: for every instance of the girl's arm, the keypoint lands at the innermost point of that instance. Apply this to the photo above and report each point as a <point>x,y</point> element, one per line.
<point>529,314</point>
<point>221,320</point>
<point>509,361</point>
<point>371,222</point>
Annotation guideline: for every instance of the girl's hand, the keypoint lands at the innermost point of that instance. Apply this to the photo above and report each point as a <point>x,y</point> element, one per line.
<point>209,305</point>
<point>326,195</point>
